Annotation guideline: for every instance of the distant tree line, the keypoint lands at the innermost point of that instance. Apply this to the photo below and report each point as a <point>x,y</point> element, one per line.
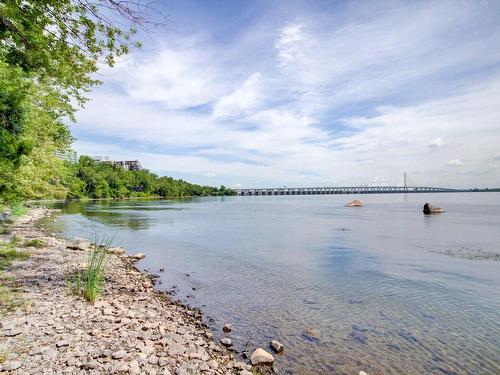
<point>91,179</point>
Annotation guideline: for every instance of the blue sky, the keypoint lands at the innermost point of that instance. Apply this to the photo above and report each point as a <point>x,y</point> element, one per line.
<point>273,93</point>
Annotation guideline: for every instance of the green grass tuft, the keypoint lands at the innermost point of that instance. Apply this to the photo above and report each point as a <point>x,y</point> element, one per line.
<point>8,254</point>
<point>34,243</point>
<point>18,209</point>
<point>89,282</point>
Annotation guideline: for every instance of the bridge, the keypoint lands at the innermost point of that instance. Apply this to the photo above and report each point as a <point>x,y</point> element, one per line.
<point>343,190</point>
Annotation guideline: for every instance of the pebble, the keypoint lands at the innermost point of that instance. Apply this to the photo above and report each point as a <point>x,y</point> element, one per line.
<point>225,341</point>
<point>119,354</point>
<point>227,328</point>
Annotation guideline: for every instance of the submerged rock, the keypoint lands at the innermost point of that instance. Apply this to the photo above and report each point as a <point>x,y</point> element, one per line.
<point>430,209</point>
<point>261,357</point>
<point>312,334</point>
<point>354,203</point>
<point>276,346</point>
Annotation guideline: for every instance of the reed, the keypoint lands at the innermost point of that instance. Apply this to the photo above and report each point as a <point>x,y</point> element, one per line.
<point>90,281</point>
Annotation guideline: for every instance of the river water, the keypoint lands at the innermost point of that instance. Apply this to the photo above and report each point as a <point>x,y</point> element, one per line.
<point>381,288</point>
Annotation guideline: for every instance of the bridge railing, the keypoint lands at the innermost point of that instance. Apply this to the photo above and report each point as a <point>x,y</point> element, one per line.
<point>341,190</point>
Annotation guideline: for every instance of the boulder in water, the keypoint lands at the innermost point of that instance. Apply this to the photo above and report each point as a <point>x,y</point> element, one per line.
<point>354,203</point>
<point>430,209</point>
<point>276,346</point>
<point>261,357</point>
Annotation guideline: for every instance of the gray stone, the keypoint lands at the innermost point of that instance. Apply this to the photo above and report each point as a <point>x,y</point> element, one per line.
<point>119,354</point>
<point>137,256</point>
<point>176,349</point>
<point>78,244</point>
<point>225,341</point>
<point>62,343</point>
<point>12,332</point>
<point>11,365</point>
<point>276,346</point>
<point>261,357</point>
<point>227,328</point>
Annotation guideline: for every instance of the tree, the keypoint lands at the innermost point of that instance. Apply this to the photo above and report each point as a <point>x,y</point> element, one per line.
<point>49,52</point>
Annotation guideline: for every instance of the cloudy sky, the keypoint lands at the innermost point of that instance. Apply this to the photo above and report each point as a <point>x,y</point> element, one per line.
<point>273,93</point>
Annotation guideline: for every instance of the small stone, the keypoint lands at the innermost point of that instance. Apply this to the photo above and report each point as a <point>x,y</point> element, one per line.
<point>13,332</point>
<point>261,357</point>
<point>62,343</point>
<point>137,256</point>
<point>276,346</point>
<point>39,350</point>
<point>225,341</point>
<point>78,244</point>
<point>119,354</point>
<point>245,372</point>
<point>176,349</point>
<point>363,373</point>
<point>194,356</point>
<point>227,328</point>
<point>11,366</point>
<point>134,368</point>
<point>213,364</point>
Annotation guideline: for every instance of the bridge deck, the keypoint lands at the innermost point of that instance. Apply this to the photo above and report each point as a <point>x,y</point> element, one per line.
<point>343,190</point>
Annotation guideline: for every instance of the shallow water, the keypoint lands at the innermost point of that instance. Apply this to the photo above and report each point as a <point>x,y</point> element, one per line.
<point>388,290</point>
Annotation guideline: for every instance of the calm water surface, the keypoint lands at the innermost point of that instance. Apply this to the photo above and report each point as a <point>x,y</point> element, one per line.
<point>388,290</point>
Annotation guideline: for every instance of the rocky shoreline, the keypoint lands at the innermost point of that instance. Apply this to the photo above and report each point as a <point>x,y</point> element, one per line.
<point>130,329</point>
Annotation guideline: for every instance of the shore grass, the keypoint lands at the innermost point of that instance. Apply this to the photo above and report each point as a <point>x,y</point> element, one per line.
<point>36,242</point>
<point>89,281</point>
<point>8,293</point>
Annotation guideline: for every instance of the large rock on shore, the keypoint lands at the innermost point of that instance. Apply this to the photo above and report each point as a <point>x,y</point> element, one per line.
<point>430,209</point>
<point>261,357</point>
<point>354,203</point>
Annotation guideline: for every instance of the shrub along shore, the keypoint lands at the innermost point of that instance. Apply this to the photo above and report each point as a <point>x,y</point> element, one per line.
<point>49,326</point>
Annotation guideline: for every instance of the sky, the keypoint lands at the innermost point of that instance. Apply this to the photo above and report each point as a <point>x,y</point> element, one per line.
<point>307,93</point>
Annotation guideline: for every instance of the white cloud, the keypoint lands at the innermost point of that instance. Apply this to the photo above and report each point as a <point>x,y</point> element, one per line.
<point>455,163</point>
<point>288,44</point>
<point>314,101</point>
<point>242,100</point>
<point>436,143</point>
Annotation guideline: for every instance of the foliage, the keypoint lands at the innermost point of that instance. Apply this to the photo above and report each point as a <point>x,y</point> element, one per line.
<point>104,180</point>
<point>90,281</point>
<point>18,209</point>
<point>49,52</point>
